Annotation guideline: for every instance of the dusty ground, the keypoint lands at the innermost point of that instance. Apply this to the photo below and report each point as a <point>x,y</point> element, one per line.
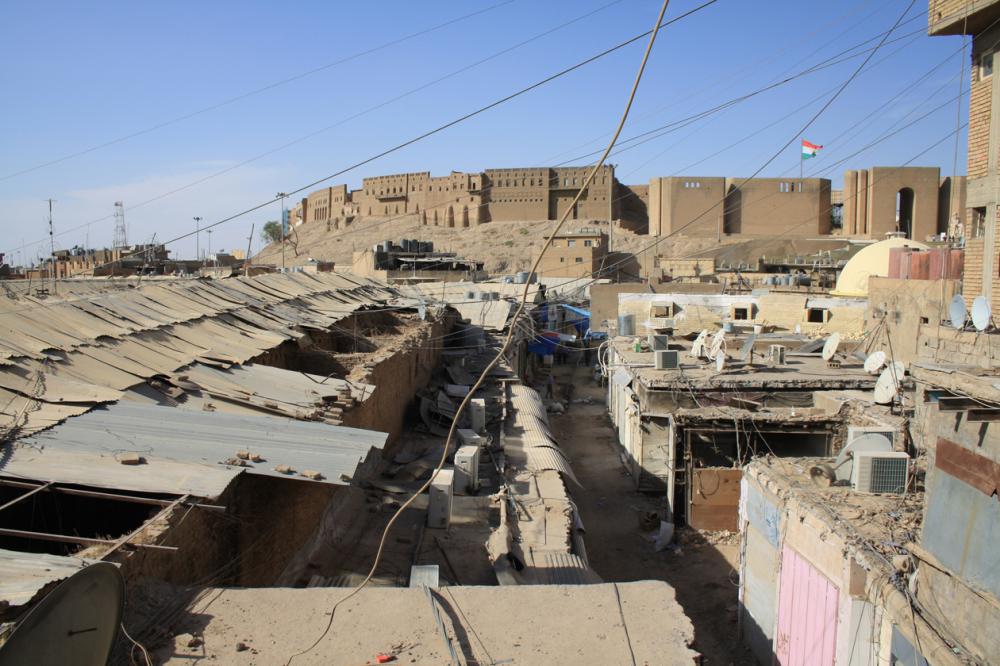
<point>702,570</point>
<point>505,247</point>
<point>530,625</point>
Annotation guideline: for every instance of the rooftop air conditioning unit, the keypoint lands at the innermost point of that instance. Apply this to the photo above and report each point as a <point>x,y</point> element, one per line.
<point>777,354</point>
<point>439,502</point>
<point>467,470</point>
<point>470,437</point>
<point>658,341</point>
<point>854,431</point>
<point>667,359</point>
<point>880,472</point>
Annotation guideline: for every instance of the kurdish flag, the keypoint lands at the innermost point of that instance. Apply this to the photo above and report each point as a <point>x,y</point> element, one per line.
<point>809,149</point>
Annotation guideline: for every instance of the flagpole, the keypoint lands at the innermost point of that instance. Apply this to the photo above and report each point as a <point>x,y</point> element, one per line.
<point>802,159</point>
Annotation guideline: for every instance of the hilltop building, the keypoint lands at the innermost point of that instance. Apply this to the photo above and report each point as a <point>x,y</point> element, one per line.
<point>465,199</point>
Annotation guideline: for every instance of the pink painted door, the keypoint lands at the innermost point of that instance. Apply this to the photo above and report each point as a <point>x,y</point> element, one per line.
<point>807,614</point>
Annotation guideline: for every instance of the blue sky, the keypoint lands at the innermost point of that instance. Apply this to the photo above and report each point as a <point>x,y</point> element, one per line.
<point>78,75</point>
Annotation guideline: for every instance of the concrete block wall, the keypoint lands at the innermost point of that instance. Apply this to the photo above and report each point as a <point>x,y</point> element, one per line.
<point>945,344</point>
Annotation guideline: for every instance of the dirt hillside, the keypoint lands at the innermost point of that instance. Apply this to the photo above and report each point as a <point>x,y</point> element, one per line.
<point>504,247</point>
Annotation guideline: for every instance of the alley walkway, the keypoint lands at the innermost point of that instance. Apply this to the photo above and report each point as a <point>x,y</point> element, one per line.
<point>703,574</point>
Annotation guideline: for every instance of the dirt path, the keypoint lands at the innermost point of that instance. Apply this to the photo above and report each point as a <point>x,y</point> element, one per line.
<point>702,574</point>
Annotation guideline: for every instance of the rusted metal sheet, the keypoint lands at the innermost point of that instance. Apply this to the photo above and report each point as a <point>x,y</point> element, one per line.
<point>807,614</point>
<point>962,529</point>
<point>714,498</point>
<point>978,471</point>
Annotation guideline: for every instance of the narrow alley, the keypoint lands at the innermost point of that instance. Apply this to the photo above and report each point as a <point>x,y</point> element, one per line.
<point>702,569</point>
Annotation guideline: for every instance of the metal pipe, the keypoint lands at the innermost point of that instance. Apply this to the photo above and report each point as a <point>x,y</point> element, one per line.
<point>25,496</point>
<point>110,496</point>
<point>66,538</point>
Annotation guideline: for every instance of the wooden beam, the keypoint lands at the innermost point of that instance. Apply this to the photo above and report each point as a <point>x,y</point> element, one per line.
<point>983,415</point>
<point>25,495</point>
<point>957,403</point>
<point>135,499</point>
<point>68,538</point>
<point>128,537</point>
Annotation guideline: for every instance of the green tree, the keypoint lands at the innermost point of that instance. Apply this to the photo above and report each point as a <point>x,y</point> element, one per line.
<point>271,232</point>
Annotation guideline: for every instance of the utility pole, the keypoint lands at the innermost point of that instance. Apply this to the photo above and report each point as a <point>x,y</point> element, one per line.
<point>52,246</point>
<point>209,246</point>
<point>280,196</point>
<point>197,238</point>
<point>246,260</point>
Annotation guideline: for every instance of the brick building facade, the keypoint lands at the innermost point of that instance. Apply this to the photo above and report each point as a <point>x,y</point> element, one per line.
<point>464,199</point>
<point>981,20</point>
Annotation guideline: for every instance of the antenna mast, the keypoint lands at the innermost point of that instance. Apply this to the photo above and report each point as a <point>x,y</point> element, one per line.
<point>121,235</point>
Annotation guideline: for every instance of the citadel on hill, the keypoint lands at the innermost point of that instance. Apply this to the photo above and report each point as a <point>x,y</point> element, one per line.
<point>913,201</point>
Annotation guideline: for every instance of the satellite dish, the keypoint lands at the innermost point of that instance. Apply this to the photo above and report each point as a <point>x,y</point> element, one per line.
<point>718,345</point>
<point>720,362</point>
<point>870,443</point>
<point>875,362</point>
<point>830,347</point>
<point>698,346</point>
<point>981,313</point>
<point>956,311</point>
<point>887,386</point>
<point>77,623</point>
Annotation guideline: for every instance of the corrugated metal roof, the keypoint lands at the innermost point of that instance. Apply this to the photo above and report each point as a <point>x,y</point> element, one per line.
<point>25,574</point>
<point>540,448</point>
<point>183,449</point>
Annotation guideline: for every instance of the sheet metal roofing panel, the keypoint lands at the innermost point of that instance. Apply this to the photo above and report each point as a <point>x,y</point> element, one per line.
<point>84,368</point>
<point>542,457</point>
<point>25,574</point>
<point>55,388</point>
<point>491,315</point>
<point>172,440</point>
<point>275,383</point>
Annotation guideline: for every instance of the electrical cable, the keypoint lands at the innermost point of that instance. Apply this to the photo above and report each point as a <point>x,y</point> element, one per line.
<point>434,131</point>
<point>679,124</point>
<point>256,91</point>
<point>507,341</point>
<point>342,121</point>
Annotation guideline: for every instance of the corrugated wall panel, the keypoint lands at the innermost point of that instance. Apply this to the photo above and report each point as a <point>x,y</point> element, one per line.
<point>807,614</point>
<point>760,583</point>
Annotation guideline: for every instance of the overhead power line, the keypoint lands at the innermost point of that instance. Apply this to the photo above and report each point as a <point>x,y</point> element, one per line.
<point>441,128</point>
<point>255,91</point>
<point>508,340</point>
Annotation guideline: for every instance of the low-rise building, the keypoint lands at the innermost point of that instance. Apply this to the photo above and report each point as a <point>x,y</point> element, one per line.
<point>575,254</point>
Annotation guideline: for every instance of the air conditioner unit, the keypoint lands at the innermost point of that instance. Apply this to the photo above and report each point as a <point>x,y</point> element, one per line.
<point>658,342</point>
<point>854,431</point>
<point>439,501</point>
<point>477,414</point>
<point>467,470</point>
<point>880,472</point>
<point>667,359</point>
<point>776,353</point>
<point>470,437</point>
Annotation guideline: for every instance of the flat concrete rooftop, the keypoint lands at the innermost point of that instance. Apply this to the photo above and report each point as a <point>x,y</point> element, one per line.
<point>802,371</point>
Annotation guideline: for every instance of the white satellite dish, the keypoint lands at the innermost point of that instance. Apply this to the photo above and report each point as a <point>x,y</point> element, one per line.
<point>698,346</point>
<point>981,313</point>
<point>869,443</point>
<point>888,384</point>
<point>875,362</point>
<point>830,346</point>
<point>77,623</point>
<point>720,362</point>
<point>718,345</point>
<point>957,312</point>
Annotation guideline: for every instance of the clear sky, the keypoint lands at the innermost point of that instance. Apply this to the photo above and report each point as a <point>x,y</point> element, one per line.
<point>79,75</point>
